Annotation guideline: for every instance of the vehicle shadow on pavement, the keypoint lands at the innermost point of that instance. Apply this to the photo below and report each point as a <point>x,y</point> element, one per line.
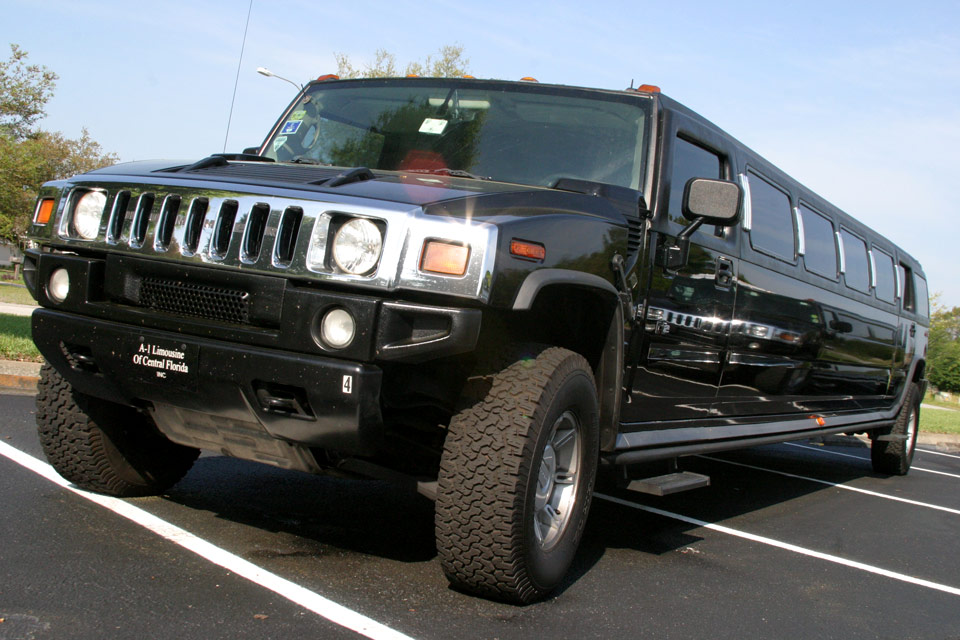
<point>383,520</point>
<point>366,516</point>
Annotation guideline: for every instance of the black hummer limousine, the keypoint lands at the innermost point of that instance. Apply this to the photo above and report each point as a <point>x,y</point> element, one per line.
<point>495,292</point>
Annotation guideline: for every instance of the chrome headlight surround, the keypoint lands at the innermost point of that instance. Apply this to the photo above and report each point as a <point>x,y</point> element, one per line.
<point>87,207</point>
<point>347,245</point>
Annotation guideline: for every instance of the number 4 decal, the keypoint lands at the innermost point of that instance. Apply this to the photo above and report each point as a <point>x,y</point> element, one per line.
<point>348,384</point>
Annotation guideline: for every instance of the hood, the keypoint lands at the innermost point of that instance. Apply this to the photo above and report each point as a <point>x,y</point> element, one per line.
<point>437,193</point>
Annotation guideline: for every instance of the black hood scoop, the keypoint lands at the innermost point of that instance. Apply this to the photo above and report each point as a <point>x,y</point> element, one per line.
<point>256,172</point>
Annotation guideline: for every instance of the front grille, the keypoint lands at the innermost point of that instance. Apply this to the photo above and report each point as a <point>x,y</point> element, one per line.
<point>197,300</point>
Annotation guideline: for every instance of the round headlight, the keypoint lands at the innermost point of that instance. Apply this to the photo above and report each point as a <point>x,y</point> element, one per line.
<point>337,328</point>
<point>356,247</point>
<point>87,214</point>
<point>59,285</point>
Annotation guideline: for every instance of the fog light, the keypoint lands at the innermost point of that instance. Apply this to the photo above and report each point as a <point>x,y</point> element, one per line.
<point>337,328</point>
<point>59,285</point>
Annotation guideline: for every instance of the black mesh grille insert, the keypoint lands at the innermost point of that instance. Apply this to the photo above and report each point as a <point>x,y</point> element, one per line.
<point>197,300</point>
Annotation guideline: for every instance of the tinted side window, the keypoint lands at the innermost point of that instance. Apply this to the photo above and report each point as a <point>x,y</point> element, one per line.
<point>907,299</point>
<point>855,256</point>
<point>886,281</point>
<point>820,255</point>
<point>923,304</point>
<point>689,161</point>
<point>771,219</point>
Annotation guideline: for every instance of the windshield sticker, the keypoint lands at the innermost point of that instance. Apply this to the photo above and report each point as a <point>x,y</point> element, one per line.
<point>279,142</point>
<point>298,115</point>
<point>433,126</point>
<point>291,126</point>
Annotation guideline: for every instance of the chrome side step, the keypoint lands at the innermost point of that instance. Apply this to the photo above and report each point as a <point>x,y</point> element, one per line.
<point>670,483</point>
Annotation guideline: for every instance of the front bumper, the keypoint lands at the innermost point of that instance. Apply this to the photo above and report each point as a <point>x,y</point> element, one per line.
<point>244,401</point>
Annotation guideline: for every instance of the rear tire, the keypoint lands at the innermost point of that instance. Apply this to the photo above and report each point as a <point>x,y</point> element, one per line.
<point>894,457</point>
<point>516,478</point>
<point>102,446</point>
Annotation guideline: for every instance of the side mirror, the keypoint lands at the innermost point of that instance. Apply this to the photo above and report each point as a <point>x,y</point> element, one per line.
<point>707,201</point>
<point>714,202</point>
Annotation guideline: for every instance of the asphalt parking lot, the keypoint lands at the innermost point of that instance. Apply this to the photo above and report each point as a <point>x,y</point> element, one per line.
<point>789,541</point>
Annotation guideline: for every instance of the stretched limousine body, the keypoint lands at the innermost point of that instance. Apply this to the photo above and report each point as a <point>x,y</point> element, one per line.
<point>494,292</point>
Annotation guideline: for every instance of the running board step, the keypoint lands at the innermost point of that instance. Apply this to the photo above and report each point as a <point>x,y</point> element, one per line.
<point>892,437</point>
<point>670,483</point>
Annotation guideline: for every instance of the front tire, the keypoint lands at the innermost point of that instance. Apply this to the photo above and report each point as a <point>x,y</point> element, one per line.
<point>894,457</point>
<point>516,478</point>
<point>102,446</point>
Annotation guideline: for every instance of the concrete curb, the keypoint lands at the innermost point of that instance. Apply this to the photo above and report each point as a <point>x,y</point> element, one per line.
<point>19,377</point>
<point>26,384</point>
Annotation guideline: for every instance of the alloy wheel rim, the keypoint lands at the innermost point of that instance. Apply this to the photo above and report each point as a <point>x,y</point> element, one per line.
<point>557,480</point>
<point>912,421</point>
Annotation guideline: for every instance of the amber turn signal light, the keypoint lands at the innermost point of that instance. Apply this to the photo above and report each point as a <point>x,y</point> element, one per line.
<point>528,250</point>
<point>44,211</point>
<point>443,257</point>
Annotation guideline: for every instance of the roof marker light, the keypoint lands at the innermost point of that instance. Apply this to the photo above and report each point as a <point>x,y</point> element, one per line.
<point>649,88</point>
<point>329,76</point>
<point>528,79</point>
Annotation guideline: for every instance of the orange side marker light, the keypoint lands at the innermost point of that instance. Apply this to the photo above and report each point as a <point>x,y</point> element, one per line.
<point>44,211</point>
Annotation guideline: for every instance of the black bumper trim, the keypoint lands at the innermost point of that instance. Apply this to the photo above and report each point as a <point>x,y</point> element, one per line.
<point>218,379</point>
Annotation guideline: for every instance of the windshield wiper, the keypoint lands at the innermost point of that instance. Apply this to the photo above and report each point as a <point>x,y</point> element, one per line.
<point>456,173</point>
<point>301,159</point>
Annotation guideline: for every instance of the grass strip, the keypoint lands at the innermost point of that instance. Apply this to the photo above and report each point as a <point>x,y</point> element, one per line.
<point>16,295</point>
<point>15,340</point>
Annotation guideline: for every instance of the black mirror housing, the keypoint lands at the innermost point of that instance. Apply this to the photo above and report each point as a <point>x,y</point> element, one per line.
<point>715,202</point>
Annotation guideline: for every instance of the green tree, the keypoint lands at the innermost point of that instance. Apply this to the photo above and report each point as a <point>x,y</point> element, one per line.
<point>30,156</point>
<point>448,63</point>
<point>943,349</point>
<point>24,91</point>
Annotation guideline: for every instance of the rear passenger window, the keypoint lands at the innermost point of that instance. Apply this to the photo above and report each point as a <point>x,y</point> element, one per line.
<point>857,269</point>
<point>689,161</point>
<point>820,244</point>
<point>923,304</point>
<point>906,298</point>
<point>886,281</point>
<point>771,221</point>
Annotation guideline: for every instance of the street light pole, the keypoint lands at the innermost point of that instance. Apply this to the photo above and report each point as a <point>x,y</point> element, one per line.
<point>270,74</point>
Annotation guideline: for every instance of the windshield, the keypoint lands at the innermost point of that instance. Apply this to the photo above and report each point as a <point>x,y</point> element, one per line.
<point>529,134</point>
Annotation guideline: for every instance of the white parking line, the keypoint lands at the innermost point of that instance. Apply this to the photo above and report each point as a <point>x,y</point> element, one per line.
<point>837,485</point>
<point>336,613</point>
<point>786,545</point>
<point>847,455</point>
<point>939,453</point>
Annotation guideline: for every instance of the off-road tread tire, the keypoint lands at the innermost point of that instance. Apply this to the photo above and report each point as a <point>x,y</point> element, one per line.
<point>484,469</point>
<point>102,446</point>
<point>894,458</point>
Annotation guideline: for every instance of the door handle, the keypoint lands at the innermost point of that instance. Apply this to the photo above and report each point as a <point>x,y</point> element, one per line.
<point>724,272</point>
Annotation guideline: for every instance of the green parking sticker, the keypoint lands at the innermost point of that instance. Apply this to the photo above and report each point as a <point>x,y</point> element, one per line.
<point>298,115</point>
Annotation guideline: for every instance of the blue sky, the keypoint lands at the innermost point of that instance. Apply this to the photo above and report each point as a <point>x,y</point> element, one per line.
<point>859,101</point>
